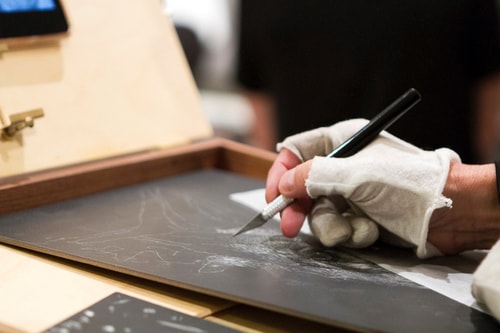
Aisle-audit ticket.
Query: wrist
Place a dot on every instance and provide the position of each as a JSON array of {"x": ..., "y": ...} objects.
[{"x": 474, "y": 220}]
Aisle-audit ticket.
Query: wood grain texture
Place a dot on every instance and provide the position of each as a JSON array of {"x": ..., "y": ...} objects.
[
  {"x": 39, "y": 188},
  {"x": 62, "y": 288},
  {"x": 118, "y": 84}
]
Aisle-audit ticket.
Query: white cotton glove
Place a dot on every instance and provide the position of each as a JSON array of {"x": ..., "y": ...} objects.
[
  {"x": 486, "y": 281},
  {"x": 390, "y": 182}
]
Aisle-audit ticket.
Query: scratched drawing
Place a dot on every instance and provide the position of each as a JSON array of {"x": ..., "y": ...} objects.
[
  {"x": 178, "y": 231},
  {"x": 123, "y": 313},
  {"x": 171, "y": 225}
]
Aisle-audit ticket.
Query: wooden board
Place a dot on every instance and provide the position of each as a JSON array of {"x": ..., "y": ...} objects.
[
  {"x": 58, "y": 298},
  {"x": 38, "y": 291},
  {"x": 47, "y": 186},
  {"x": 118, "y": 84}
]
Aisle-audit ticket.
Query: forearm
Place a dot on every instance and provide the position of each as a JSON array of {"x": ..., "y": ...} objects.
[{"x": 474, "y": 220}]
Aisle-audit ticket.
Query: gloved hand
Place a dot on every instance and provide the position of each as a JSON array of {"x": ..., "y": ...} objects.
[
  {"x": 390, "y": 183},
  {"x": 485, "y": 286}
]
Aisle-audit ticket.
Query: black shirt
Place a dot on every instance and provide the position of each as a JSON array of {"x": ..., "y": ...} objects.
[{"x": 327, "y": 61}]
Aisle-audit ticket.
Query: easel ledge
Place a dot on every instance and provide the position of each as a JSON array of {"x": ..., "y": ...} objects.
[{"x": 49, "y": 186}]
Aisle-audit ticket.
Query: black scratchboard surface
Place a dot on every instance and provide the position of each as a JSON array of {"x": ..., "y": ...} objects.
[
  {"x": 122, "y": 313},
  {"x": 178, "y": 231}
]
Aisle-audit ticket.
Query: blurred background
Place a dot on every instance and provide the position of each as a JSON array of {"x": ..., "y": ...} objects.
[
  {"x": 269, "y": 69},
  {"x": 208, "y": 31}
]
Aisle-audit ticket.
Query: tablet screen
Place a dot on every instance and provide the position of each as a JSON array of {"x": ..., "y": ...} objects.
[
  {"x": 22, "y": 18},
  {"x": 15, "y": 6}
]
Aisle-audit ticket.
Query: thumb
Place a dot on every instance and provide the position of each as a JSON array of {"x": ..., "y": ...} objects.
[{"x": 293, "y": 182}]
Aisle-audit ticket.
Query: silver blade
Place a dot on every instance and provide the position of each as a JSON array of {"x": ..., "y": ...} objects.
[{"x": 255, "y": 223}]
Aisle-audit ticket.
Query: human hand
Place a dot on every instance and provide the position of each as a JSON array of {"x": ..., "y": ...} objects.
[
  {"x": 390, "y": 182},
  {"x": 485, "y": 287}
]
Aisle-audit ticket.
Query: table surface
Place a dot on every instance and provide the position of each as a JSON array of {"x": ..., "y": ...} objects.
[{"x": 39, "y": 291}]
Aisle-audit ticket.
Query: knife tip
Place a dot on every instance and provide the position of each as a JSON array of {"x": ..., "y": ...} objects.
[{"x": 254, "y": 223}]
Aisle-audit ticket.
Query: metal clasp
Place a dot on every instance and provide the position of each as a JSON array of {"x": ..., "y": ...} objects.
[{"x": 16, "y": 122}]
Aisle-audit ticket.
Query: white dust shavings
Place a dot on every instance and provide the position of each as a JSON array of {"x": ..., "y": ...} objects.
[
  {"x": 89, "y": 313},
  {"x": 108, "y": 329},
  {"x": 149, "y": 311},
  {"x": 218, "y": 264},
  {"x": 180, "y": 327}
]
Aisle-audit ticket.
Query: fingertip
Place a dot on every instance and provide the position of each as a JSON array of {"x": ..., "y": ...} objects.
[
  {"x": 287, "y": 183},
  {"x": 291, "y": 222},
  {"x": 293, "y": 181}
]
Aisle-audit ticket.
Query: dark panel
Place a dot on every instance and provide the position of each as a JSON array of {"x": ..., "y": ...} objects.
[
  {"x": 178, "y": 231},
  {"x": 122, "y": 313}
]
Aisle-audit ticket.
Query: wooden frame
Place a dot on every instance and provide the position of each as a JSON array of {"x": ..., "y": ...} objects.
[{"x": 49, "y": 186}]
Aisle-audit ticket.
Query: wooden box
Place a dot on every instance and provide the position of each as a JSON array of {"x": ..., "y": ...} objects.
[
  {"x": 28, "y": 308},
  {"x": 122, "y": 109}
]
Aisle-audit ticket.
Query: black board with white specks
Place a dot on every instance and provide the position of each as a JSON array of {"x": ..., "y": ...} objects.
[{"x": 178, "y": 231}]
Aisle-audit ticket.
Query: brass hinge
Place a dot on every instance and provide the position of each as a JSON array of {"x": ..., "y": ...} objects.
[{"x": 16, "y": 122}]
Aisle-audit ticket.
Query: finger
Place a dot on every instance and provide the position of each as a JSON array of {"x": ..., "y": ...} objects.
[
  {"x": 293, "y": 217},
  {"x": 365, "y": 231},
  {"x": 328, "y": 224},
  {"x": 285, "y": 161},
  {"x": 293, "y": 182}
]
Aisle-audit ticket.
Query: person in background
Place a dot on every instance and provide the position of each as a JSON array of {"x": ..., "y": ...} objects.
[{"x": 306, "y": 64}]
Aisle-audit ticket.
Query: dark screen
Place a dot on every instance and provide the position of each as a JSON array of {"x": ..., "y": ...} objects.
[{"x": 21, "y": 18}]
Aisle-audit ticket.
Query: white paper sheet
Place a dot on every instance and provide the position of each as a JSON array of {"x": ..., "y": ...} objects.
[{"x": 449, "y": 276}]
